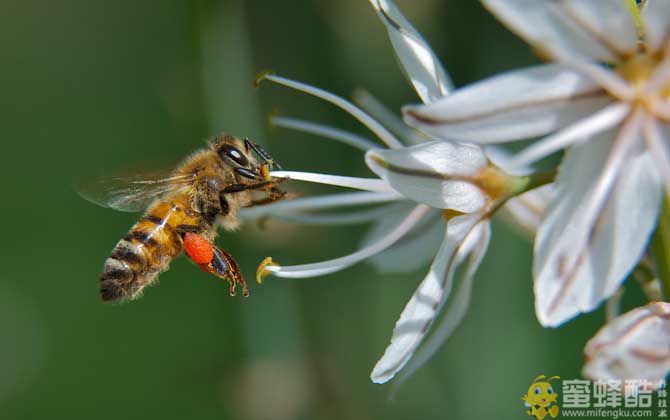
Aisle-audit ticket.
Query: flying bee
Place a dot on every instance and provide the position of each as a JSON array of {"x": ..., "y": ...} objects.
[{"x": 182, "y": 213}]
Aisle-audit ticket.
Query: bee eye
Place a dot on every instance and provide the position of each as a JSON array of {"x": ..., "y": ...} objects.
[
  {"x": 537, "y": 390},
  {"x": 233, "y": 153},
  {"x": 550, "y": 391}
]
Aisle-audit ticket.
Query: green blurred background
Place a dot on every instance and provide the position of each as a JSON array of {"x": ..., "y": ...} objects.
[{"x": 93, "y": 86}]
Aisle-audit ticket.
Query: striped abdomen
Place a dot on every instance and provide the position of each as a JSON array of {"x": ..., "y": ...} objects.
[{"x": 145, "y": 251}]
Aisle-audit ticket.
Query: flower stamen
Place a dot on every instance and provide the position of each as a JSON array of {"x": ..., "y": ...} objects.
[{"x": 262, "y": 270}]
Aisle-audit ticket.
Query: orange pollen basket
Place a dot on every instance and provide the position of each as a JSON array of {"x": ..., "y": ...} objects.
[{"x": 198, "y": 248}]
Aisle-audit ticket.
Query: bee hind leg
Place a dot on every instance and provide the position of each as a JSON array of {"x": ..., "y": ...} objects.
[
  {"x": 213, "y": 260},
  {"x": 225, "y": 267}
]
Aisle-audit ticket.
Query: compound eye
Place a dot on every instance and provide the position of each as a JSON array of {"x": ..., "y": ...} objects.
[
  {"x": 538, "y": 391},
  {"x": 550, "y": 391},
  {"x": 233, "y": 153}
]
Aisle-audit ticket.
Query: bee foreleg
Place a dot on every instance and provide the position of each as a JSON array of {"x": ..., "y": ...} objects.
[
  {"x": 233, "y": 188},
  {"x": 274, "y": 194}
]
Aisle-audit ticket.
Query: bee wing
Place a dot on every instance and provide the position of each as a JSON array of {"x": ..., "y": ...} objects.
[{"x": 134, "y": 193}]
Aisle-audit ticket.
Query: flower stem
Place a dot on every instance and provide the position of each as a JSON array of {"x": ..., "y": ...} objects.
[
  {"x": 538, "y": 179},
  {"x": 645, "y": 275},
  {"x": 660, "y": 248}
]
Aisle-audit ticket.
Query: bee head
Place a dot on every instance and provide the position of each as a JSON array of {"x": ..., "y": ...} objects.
[{"x": 244, "y": 156}]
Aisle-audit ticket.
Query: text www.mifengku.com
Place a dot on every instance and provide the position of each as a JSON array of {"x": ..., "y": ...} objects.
[{"x": 606, "y": 413}]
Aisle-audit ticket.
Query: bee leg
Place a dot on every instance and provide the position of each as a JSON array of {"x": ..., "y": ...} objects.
[
  {"x": 233, "y": 188},
  {"x": 213, "y": 260},
  {"x": 225, "y": 267},
  {"x": 274, "y": 194}
]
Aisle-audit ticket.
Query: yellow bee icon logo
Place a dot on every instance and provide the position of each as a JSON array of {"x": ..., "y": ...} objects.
[{"x": 540, "y": 398}]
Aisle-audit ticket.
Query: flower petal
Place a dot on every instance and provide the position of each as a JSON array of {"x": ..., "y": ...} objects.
[
  {"x": 365, "y": 184},
  {"x": 656, "y": 17},
  {"x": 387, "y": 118},
  {"x": 318, "y": 203},
  {"x": 382, "y": 133},
  {"x": 337, "y": 264},
  {"x": 581, "y": 259},
  {"x": 322, "y": 130},
  {"x": 420, "y": 64},
  {"x": 581, "y": 130},
  {"x": 434, "y": 173},
  {"x": 422, "y": 308},
  {"x": 634, "y": 345},
  {"x": 526, "y": 211},
  {"x": 334, "y": 219},
  {"x": 421, "y": 242},
  {"x": 511, "y": 106},
  {"x": 456, "y": 308},
  {"x": 657, "y": 137},
  {"x": 596, "y": 29}
]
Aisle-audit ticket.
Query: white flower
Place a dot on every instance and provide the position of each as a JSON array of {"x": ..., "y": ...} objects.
[
  {"x": 433, "y": 180},
  {"x": 633, "y": 345},
  {"x": 614, "y": 122},
  {"x": 456, "y": 182}
]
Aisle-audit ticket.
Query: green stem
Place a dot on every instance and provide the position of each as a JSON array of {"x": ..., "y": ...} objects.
[
  {"x": 645, "y": 275},
  {"x": 660, "y": 248},
  {"x": 538, "y": 179}
]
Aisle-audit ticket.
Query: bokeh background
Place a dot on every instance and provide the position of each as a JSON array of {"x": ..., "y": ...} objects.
[{"x": 94, "y": 86}]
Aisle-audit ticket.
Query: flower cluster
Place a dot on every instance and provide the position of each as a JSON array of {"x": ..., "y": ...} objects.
[{"x": 603, "y": 96}]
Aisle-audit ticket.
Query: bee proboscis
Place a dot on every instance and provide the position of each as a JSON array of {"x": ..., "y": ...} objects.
[{"x": 182, "y": 213}]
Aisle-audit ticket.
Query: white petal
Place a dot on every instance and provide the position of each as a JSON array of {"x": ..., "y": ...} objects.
[
  {"x": 456, "y": 308},
  {"x": 634, "y": 345},
  {"x": 526, "y": 211},
  {"x": 569, "y": 28},
  {"x": 387, "y": 118},
  {"x": 422, "y": 308},
  {"x": 593, "y": 235},
  {"x": 656, "y": 17},
  {"x": 600, "y": 121},
  {"x": 365, "y": 184},
  {"x": 609, "y": 80},
  {"x": 338, "y": 264},
  {"x": 511, "y": 106},
  {"x": 433, "y": 173},
  {"x": 333, "y": 133},
  {"x": 421, "y": 242},
  {"x": 334, "y": 219},
  {"x": 503, "y": 159},
  {"x": 319, "y": 202},
  {"x": 658, "y": 144},
  {"x": 661, "y": 75},
  {"x": 418, "y": 61},
  {"x": 382, "y": 133},
  {"x": 609, "y": 22}
]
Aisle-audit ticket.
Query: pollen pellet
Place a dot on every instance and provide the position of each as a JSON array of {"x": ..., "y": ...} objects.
[{"x": 198, "y": 248}]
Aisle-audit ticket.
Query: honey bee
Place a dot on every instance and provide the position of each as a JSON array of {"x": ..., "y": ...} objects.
[{"x": 182, "y": 213}]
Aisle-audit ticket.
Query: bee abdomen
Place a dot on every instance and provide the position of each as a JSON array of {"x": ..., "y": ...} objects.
[
  {"x": 123, "y": 270},
  {"x": 139, "y": 257}
]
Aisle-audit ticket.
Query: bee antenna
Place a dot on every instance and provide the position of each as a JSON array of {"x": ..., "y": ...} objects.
[
  {"x": 248, "y": 144},
  {"x": 539, "y": 377},
  {"x": 552, "y": 378}
]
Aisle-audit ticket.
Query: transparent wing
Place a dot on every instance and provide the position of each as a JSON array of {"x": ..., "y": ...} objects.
[{"x": 131, "y": 193}]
